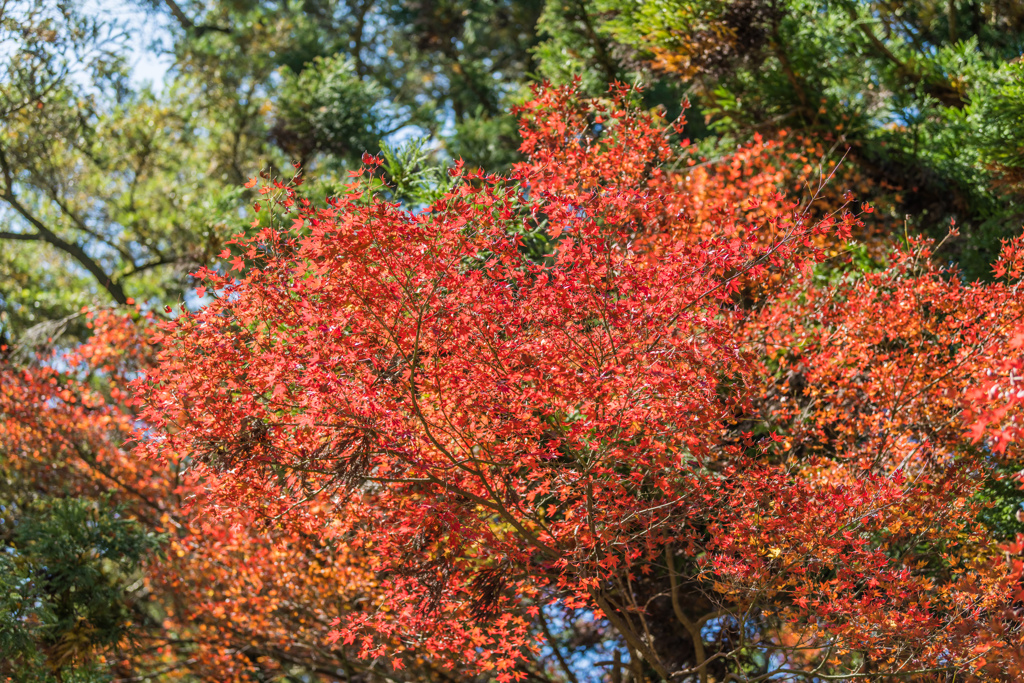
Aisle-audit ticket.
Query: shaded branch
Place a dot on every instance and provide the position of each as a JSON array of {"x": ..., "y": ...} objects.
[
  {"x": 688, "y": 624},
  {"x": 73, "y": 250},
  {"x": 189, "y": 25},
  {"x": 601, "y": 50},
  {"x": 632, "y": 639},
  {"x": 162, "y": 261},
  {"x": 555, "y": 647},
  {"x": 940, "y": 90}
]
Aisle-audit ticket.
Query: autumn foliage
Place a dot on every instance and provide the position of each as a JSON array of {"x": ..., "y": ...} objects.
[
  {"x": 622, "y": 387},
  {"x": 585, "y": 387},
  {"x": 226, "y": 598}
]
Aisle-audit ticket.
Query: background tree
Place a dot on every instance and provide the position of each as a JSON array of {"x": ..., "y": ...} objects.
[
  {"x": 116, "y": 191},
  {"x": 922, "y": 93}
]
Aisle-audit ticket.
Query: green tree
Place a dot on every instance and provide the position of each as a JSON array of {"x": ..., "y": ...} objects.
[
  {"x": 109, "y": 191},
  {"x": 69, "y": 574}
]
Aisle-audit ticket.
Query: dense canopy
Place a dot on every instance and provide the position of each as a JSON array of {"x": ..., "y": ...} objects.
[{"x": 562, "y": 341}]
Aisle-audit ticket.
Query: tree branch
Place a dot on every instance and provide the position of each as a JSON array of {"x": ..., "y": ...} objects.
[
  {"x": 632, "y": 639},
  {"x": 163, "y": 261},
  {"x": 189, "y": 25},
  {"x": 555, "y": 647},
  {"x": 601, "y": 50},
  {"x": 22, "y": 236},
  {"x": 688, "y": 624},
  {"x": 940, "y": 90},
  {"x": 44, "y": 234},
  {"x": 80, "y": 224},
  {"x": 73, "y": 250}
]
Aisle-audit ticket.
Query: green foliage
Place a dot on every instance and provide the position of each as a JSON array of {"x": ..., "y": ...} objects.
[
  {"x": 411, "y": 174},
  {"x": 577, "y": 45},
  {"x": 110, "y": 191},
  {"x": 69, "y": 572},
  {"x": 996, "y": 115},
  {"x": 1005, "y": 513},
  {"x": 327, "y": 108},
  {"x": 489, "y": 143}
]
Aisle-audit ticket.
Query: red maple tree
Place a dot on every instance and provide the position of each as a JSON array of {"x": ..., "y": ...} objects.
[{"x": 586, "y": 388}]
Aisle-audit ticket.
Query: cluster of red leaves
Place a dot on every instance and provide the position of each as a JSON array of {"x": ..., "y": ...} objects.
[
  {"x": 996, "y": 401},
  {"x": 410, "y": 435},
  {"x": 726, "y": 195},
  {"x": 229, "y": 598},
  {"x": 871, "y": 384},
  {"x": 494, "y": 430},
  {"x": 254, "y": 600},
  {"x": 64, "y": 433},
  {"x": 498, "y": 434}
]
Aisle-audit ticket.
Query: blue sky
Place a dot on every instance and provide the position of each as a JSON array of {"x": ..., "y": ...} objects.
[{"x": 146, "y": 30}]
